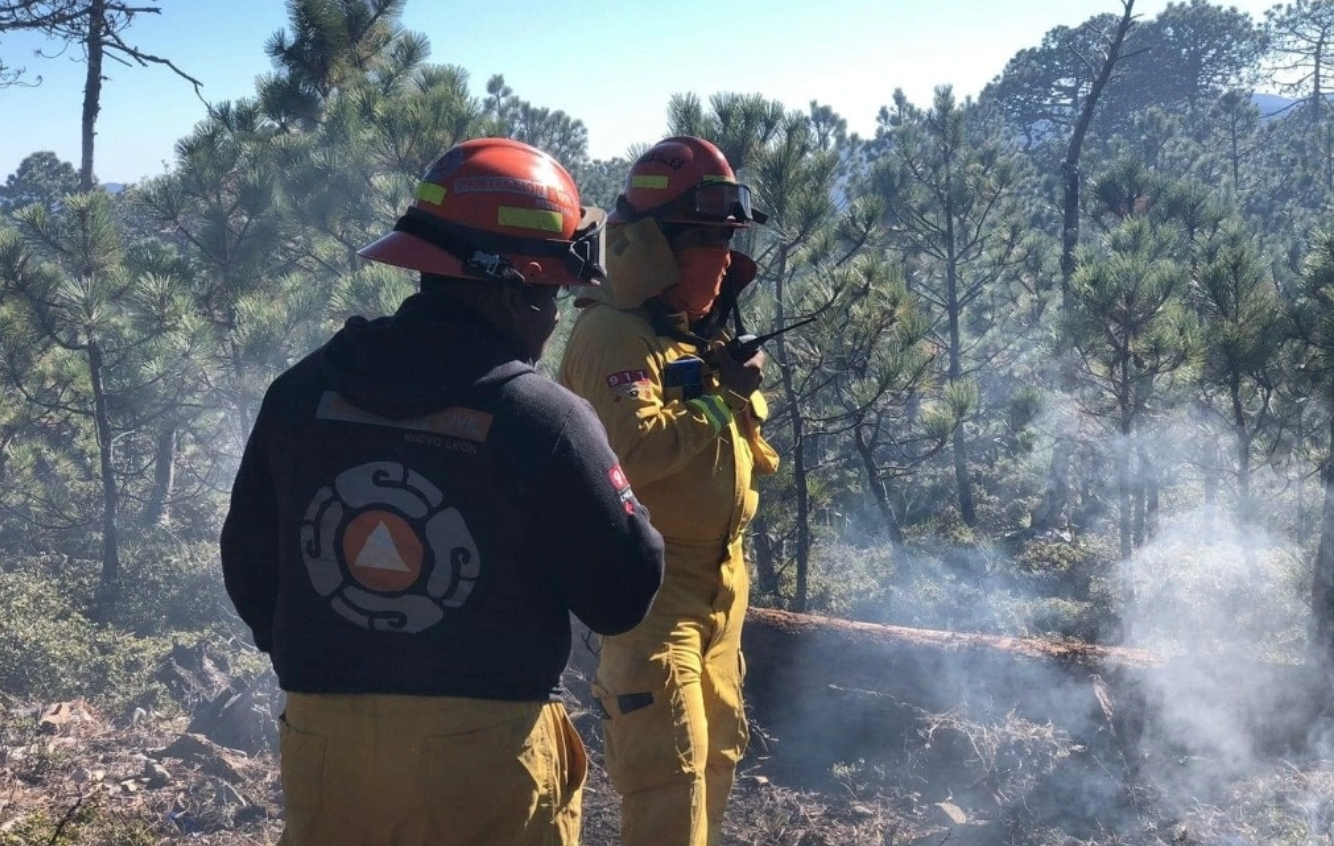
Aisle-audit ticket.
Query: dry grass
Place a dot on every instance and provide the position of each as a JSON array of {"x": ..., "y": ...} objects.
[
  {"x": 86, "y": 780},
  {"x": 1289, "y": 805},
  {"x": 91, "y": 781}
]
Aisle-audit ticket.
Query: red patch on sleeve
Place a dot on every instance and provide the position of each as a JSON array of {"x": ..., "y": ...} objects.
[
  {"x": 618, "y": 479},
  {"x": 622, "y": 485}
]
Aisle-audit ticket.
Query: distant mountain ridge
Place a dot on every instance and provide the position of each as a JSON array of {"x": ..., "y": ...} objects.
[{"x": 1275, "y": 105}]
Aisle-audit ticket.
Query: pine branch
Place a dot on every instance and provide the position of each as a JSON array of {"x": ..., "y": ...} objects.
[
  {"x": 116, "y": 43},
  {"x": 25, "y": 14}
]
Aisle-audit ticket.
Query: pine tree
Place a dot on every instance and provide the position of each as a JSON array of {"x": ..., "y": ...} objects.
[
  {"x": 1301, "y": 52},
  {"x": 563, "y": 136},
  {"x": 879, "y": 370},
  {"x": 952, "y": 202},
  {"x": 221, "y": 206},
  {"x": 1314, "y": 324},
  {"x": 41, "y": 178},
  {"x": 1130, "y": 329},
  {"x": 1244, "y": 334},
  {"x": 329, "y": 46},
  {"x": 97, "y": 351}
]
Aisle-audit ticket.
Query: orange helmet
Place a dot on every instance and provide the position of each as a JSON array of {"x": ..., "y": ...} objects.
[
  {"x": 494, "y": 208},
  {"x": 684, "y": 179}
]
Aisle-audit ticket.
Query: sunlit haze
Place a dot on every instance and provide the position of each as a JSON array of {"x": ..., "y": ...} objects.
[{"x": 612, "y": 65}]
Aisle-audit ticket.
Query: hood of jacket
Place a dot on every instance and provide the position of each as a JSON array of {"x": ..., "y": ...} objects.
[
  {"x": 428, "y": 355},
  {"x": 641, "y": 265}
]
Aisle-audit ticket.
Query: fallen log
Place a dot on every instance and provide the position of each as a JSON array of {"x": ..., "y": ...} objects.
[{"x": 822, "y": 690}]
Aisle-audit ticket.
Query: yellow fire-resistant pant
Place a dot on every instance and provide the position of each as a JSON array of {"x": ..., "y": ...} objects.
[
  {"x": 675, "y": 725},
  {"x": 429, "y": 771}
]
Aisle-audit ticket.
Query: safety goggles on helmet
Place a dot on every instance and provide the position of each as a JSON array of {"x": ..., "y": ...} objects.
[
  {"x": 708, "y": 202},
  {"x": 721, "y": 201},
  {"x": 483, "y": 253}
]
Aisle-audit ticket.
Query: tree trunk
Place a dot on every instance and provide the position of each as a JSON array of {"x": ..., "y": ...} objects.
[
  {"x": 766, "y": 557},
  {"x": 1245, "y": 509},
  {"x": 1124, "y": 503},
  {"x": 1058, "y": 484},
  {"x": 1317, "y": 83},
  {"x": 1074, "y": 150},
  {"x": 798, "y": 426},
  {"x": 803, "y": 515},
  {"x": 1329, "y": 151},
  {"x": 1053, "y": 512},
  {"x": 1299, "y": 443},
  {"x": 244, "y": 418},
  {"x": 92, "y": 89},
  {"x": 898, "y": 553},
  {"x": 807, "y": 680},
  {"x": 1322, "y": 588},
  {"x": 967, "y": 508},
  {"x": 1143, "y": 476},
  {"x": 875, "y": 480},
  {"x": 1209, "y": 479},
  {"x": 1124, "y": 491},
  {"x": 1152, "y": 501},
  {"x": 1070, "y": 217},
  {"x": 1235, "y": 156},
  {"x": 959, "y": 439},
  {"x": 108, "y": 587},
  {"x": 158, "y": 511}
]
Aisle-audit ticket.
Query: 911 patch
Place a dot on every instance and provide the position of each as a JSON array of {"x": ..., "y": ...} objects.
[{"x": 629, "y": 383}]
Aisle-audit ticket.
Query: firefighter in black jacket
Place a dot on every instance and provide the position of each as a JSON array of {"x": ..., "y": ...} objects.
[{"x": 416, "y": 514}]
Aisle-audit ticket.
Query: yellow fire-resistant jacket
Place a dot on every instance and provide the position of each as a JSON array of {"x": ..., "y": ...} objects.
[{"x": 691, "y": 462}]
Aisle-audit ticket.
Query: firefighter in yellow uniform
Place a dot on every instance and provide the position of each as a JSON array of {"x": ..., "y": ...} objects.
[{"x": 684, "y": 418}]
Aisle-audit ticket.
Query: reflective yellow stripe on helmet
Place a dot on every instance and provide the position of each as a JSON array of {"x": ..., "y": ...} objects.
[
  {"x": 430, "y": 192},
  {"x": 648, "y": 182},
  {"x": 546, "y": 221}
]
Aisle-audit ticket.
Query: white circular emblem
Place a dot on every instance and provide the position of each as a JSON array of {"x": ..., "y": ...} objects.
[{"x": 380, "y": 546}]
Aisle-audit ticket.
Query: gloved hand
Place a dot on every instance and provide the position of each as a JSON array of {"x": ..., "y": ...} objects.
[{"x": 742, "y": 378}]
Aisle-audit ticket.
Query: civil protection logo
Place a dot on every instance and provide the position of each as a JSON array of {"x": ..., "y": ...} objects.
[{"x": 381, "y": 547}]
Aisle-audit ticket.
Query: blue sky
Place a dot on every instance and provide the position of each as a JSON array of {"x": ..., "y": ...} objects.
[{"x": 614, "y": 65}]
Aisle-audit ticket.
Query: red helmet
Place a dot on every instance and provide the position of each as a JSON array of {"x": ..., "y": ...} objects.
[
  {"x": 495, "y": 208},
  {"x": 684, "y": 179}
]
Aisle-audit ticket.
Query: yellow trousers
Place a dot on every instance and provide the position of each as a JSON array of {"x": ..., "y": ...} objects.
[
  {"x": 675, "y": 724},
  {"x": 429, "y": 771}
]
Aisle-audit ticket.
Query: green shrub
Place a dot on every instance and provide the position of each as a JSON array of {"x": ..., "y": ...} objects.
[
  {"x": 1198, "y": 592},
  {"x": 49, "y": 651},
  {"x": 168, "y": 586},
  {"x": 851, "y": 582}
]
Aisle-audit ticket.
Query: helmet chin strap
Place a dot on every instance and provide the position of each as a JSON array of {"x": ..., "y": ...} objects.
[
  {"x": 627, "y": 212},
  {"x": 478, "y": 262},
  {"x": 726, "y": 306}
]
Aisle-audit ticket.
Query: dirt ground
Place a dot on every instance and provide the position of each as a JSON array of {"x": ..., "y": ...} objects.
[
  {"x": 69, "y": 775},
  {"x": 860, "y": 736}
]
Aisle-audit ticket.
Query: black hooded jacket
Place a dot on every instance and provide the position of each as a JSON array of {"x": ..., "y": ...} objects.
[{"x": 418, "y": 512}]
